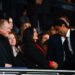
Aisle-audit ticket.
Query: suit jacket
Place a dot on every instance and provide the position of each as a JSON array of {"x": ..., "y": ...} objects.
[{"x": 55, "y": 50}]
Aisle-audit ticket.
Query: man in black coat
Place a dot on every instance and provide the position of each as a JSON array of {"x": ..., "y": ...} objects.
[{"x": 61, "y": 51}]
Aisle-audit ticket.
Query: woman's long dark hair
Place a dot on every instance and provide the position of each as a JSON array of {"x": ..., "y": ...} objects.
[{"x": 28, "y": 35}]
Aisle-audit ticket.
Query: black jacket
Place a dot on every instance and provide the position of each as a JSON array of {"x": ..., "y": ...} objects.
[
  {"x": 55, "y": 50},
  {"x": 6, "y": 55}
]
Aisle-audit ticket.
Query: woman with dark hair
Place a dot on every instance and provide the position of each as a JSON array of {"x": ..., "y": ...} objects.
[{"x": 33, "y": 53}]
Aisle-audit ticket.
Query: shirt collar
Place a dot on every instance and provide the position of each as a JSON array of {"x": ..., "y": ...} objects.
[{"x": 68, "y": 33}]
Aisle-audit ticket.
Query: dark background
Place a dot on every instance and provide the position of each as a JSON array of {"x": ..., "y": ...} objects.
[{"x": 46, "y": 13}]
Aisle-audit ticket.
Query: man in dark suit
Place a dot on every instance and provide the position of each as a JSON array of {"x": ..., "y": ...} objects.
[{"x": 60, "y": 50}]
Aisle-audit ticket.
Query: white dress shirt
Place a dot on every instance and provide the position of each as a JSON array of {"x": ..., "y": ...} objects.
[{"x": 68, "y": 38}]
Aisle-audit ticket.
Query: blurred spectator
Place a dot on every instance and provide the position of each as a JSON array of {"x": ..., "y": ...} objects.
[
  {"x": 24, "y": 17},
  {"x": 23, "y": 27},
  {"x": 40, "y": 11},
  {"x": 52, "y": 30},
  {"x": 43, "y": 38},
  {"x": 69, "y": 1},
  {"x": 13, "y": 27},
  {"x": 38, "y": 2}
]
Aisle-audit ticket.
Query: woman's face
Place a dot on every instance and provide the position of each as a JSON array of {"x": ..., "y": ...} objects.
[
  {"x": 44, "y": 38},
  {"x": 12, "y": 39},
  {"x": 27, "y": 25},
  {"x": 35, "y": 34},
  {"x": 53, "y": 30},
  {"x": 11, "y": 23}
]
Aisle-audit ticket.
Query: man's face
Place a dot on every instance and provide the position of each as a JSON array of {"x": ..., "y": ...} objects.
[
  {"x": 61, "y": 30},
  {"x": 5, "y": 28},
  {"x": 39, "y": 2}
]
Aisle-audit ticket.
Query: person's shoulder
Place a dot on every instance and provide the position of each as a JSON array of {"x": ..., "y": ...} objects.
[
  {"x": 2, "y": 37},
  {"x": 55, "y": 36}
]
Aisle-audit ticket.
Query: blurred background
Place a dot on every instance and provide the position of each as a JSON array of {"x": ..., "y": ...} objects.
[{"x": 42, "y": 12}]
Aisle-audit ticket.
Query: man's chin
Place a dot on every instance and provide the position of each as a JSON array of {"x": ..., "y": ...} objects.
[{"x": 7, "y": 35}]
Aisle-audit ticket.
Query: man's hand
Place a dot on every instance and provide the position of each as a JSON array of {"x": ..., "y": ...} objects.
[
  {"x": 55, "y": 65},
  {"x": 8, "y": 65}
]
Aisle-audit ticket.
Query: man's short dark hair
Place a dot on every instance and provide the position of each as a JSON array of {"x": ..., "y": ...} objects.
[{"x": 60, "y": 22}]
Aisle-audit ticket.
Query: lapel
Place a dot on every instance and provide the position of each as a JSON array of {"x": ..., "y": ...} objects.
[
  {"x": 60, "y": 47},
  {"x": 60, "y": 42}
]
